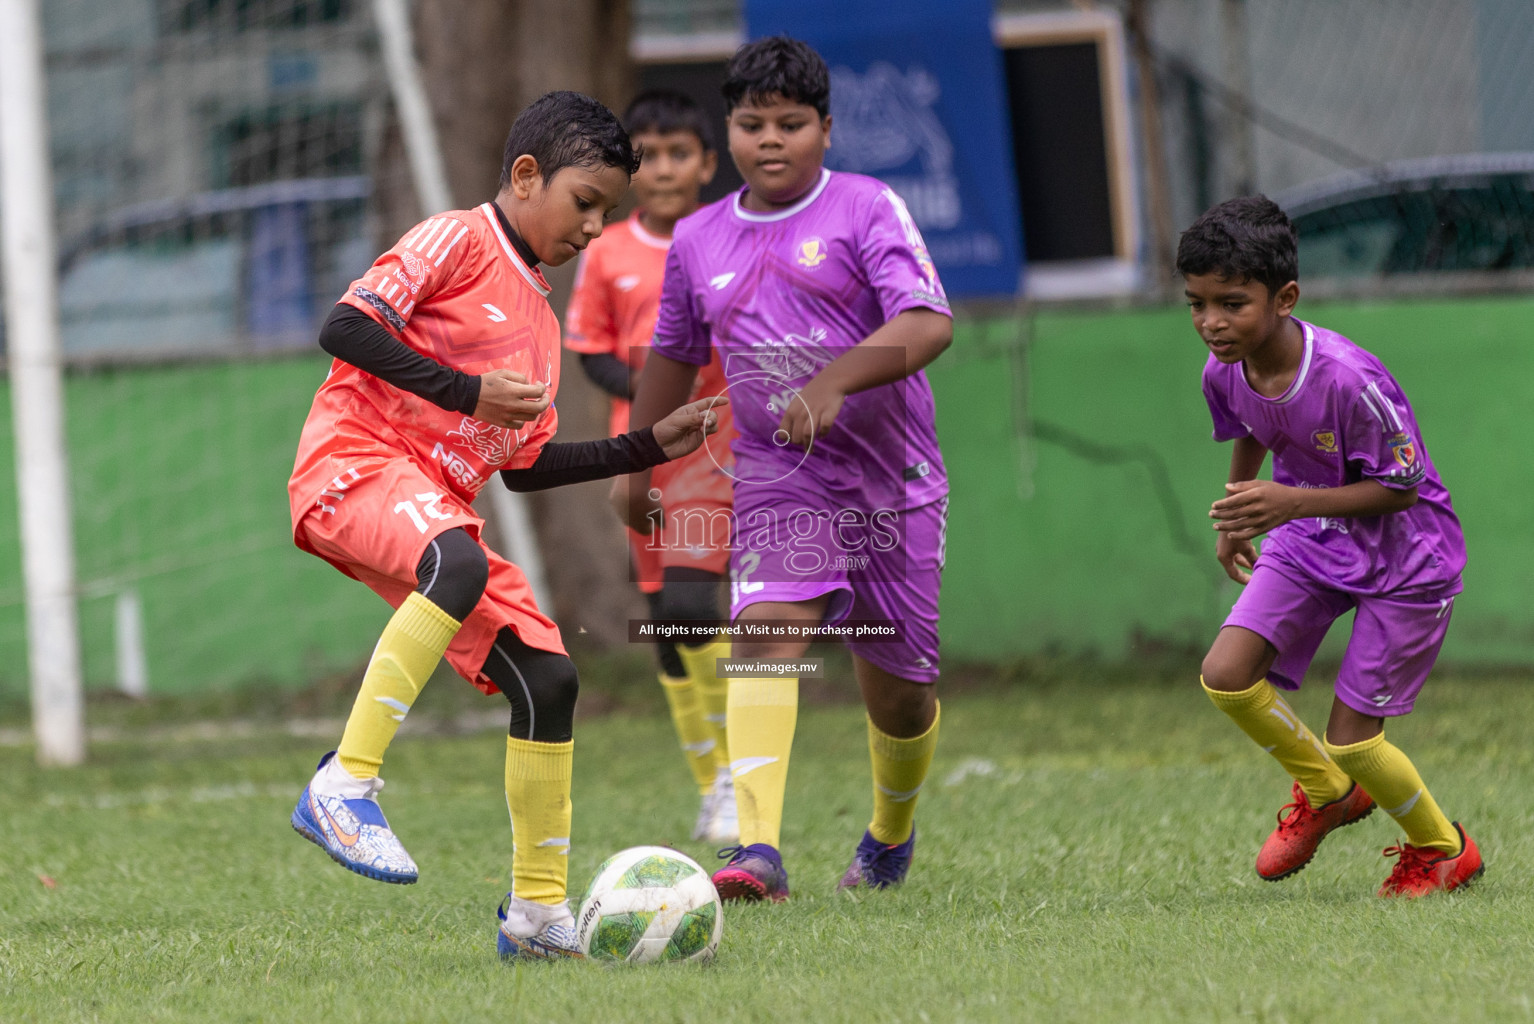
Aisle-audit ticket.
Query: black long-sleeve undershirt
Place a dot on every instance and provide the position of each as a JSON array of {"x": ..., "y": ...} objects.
[
  {"x": 352, "y": 336},
  {"x": 579, "y": 461},
  {"x": 608, "y": 372}
]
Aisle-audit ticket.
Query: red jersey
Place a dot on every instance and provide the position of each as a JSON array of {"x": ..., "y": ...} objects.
[{"x": 454, "y": 289}]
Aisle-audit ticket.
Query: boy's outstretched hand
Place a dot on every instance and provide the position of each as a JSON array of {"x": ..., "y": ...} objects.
[
  {"x": 1251, "y": 508},
  {"x": 1237, "y": 556},
  {"x": 506, "y": 399},
  {"x": 683, "y": 431},
  {"x": 678, "y": 434},
  {"x": 811, "y": 414}
]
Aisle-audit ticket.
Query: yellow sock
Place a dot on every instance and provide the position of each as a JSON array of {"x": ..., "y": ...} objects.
[
  {"x": 713, "y": 692},
  {"x": 407, "y": 653},
  {"x": 900, "y": 768},
  {"x": 761, "y": 723},
  {"x": 538, "y": 797},
  {"x": 1269, "y": 720},
  {"x": 1390, "y": 778},
  {"x": 694, "y": 732}
]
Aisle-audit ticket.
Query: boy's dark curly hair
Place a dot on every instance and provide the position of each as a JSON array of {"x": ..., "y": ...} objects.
[
  {"x": 1245, "y": 239},
  {"x": 664, "y": 111},
  {"x": 567, "y": 129},
  {"x": 777, "y": 66}
]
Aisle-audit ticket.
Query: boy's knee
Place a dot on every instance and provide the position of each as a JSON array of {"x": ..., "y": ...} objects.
[
  {"x": 563, "y": 686},
  {"x": 540, "y": 685},
  {"x": 554, "y": 684},
  {"x": 1220, "y": 673},
  {"x": 1217, "y": 673},
  {"x": 465, "y": 560},
  {"x": 903, "y": 711},
  {"x": 453, "y": 573},
  {"x": 689, "y": 602},
  {"x": 1237, "y": 660}
]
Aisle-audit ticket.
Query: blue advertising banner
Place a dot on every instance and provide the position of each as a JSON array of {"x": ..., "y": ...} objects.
[{"x": 918, "y": 101}]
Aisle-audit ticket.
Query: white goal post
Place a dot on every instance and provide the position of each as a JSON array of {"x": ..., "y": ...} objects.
[{"x": 28, "y": 252}]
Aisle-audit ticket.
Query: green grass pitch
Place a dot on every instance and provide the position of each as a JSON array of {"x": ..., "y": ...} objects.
[{"x": 1085, "y": 855}]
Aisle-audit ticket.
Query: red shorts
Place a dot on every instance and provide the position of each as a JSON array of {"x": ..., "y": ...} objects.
[
  {"x": 377, "y": 531},
  {"x": 696, "y": 492},
  {"x": 696, "y": 534}
]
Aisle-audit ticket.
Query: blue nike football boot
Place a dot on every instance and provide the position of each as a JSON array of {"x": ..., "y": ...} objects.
[{"x": 340, "y": 814}]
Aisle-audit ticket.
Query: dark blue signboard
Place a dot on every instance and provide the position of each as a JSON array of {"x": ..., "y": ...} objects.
[{"x": 918, "y": 101}]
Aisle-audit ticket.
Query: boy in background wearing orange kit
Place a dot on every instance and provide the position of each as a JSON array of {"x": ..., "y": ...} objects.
[
  {"x": 610, "y": 319},
  {"x": 447, "y": 363}
]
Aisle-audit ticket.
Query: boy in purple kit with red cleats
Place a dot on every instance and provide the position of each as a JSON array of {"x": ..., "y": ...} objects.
[
  {"x": 817, "y": 293},
  {"x": 1356, "y": 518}
]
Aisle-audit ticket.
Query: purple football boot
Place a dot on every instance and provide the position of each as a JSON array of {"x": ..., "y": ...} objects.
[
  {"x": 753, "y": 873},
  {"x": 879, "y": 865}
]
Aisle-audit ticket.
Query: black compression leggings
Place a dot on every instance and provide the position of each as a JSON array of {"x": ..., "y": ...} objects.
[
  {"x": 452, "y": 573},
  {"x": 540, "y": 685},
  {"x": 690, "y": 594}
]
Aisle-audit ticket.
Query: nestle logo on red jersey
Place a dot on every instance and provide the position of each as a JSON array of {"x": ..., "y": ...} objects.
[{"x": 413, "y": 266}]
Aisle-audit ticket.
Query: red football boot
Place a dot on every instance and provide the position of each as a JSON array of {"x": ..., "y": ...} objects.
[
  {"x": 1302, "y": 827},
  {"x": 1422, "y": 869}
]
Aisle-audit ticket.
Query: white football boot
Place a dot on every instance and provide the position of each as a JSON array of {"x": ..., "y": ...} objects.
[
  {"x": 339, "y": 813},
  {"x": 536, "y": 931},
  {"x": 705, "y": 817},
  {"x": 724, "y": 822}
]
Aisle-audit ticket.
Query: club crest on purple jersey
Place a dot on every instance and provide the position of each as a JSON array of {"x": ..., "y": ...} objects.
[
  {"x": 1325, "y": 441},
  {"x": 1402, "y": 448},
  {"x": 812, "y": 252}
]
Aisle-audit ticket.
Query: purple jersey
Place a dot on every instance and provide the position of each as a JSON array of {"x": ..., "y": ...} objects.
[
  {"x": 782, "y": 294},
  {"x": 1344, "y": 419}
]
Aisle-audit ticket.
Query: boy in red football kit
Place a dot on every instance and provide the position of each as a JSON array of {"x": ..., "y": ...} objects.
[
  {"x": 609, "y": 322},
  {"x": 447, "y": 366}
]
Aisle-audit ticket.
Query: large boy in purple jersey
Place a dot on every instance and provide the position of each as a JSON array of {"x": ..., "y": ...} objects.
[
  {"x": 1356, "y": 518},
  {"x": 819, "y": 295}
]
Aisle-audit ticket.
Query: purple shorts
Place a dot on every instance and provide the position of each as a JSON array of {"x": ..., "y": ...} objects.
[
  {"x": 1394, "y": 643},
  {"x": 794, "y": 544}
]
